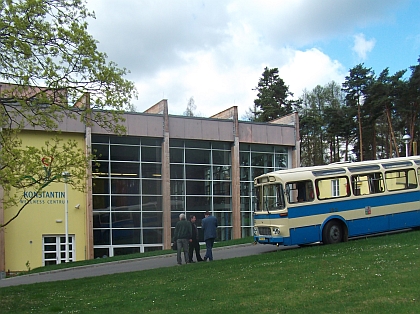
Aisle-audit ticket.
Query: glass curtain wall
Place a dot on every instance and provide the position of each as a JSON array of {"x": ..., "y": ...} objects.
[
  {"x": 127, "y": 195},
  {"x": 200, "y": 182},
  {"x": 256, "y": 160}
]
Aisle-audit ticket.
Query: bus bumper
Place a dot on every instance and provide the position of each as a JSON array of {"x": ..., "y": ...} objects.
[{"x": 269, "y": 240}]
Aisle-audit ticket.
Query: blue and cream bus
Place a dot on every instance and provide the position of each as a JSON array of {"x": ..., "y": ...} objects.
[{"x": 332, "y": 203}]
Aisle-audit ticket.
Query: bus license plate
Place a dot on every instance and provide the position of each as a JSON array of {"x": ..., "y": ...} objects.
[{"x": 262, "y": 239}]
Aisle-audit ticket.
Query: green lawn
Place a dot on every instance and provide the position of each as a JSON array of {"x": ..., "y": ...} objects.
[{"x": 373, "y": 275}]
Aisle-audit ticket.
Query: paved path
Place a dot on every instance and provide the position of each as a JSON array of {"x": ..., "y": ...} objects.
[{"x": 133, "y": 265}]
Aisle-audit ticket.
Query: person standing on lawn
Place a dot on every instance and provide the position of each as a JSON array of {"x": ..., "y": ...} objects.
[
  {"x": 194, "y": 244},
  {"x": 209, "y": 224},
  {"x": 182, "y": 236}
]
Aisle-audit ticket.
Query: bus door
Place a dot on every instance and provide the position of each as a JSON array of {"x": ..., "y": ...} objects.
[{"x": 271, "y": 201}]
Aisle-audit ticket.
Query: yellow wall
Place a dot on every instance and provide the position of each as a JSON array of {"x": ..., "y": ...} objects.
[{"x": 23, "y": 236}]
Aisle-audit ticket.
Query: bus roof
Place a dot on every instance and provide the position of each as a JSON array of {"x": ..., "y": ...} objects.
[{"x": 340, "y": 168}]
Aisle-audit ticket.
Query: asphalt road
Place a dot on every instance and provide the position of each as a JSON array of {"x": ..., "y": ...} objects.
[{"x": 134, "y": 265}]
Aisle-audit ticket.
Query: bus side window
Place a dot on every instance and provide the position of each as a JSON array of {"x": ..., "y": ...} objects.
[
  {"x": 300, "y": 191},
  {"x": 400, "y": 179},
  {"x": 364, "y": 184},
  {"x": 332, "y": 187}
]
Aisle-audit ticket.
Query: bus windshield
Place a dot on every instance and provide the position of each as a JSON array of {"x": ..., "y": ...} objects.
[{"x": 271, "y": 196}]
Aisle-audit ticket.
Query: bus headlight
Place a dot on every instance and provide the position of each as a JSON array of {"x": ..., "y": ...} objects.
[
  {"x": 255, "y": 231},
  {"x": 276, "y": 231}
]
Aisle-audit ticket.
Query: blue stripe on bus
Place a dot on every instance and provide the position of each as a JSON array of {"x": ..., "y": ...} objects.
[
  {"x": 345, "y": 205},
  {"x": 356, "y": 227}
]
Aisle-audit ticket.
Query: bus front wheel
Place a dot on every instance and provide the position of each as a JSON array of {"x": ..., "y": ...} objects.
[{"x": 332, "y": 232}]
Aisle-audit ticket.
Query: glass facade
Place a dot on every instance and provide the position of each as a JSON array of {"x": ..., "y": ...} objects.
[
  {"x": 256, "y": 160},
  {"x": 201, "y": 181},
  {"x": 127, "y": 196},
  {"x": 127, "y": 188}
]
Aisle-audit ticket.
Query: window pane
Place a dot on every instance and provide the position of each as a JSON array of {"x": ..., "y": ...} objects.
[
  {"x": 281, "y": 162},
  {"x": 177, "y": 155},
  {"x": 255, "y": 172},
  {"x": 152, "y": 187},
  {"x": 197, "y": 172},
  {"x": 177, "y": 187},
  {"x": 151, "y": 220},
  {"x": 177, "y": 171},
  {"x": 151, "y": 141},
  {"x": 176, "y": 143},
  {"x": 126, "y": 250},
  {"x": 129, "y": 140},
  {"x": 100, "y": 139},
  {"x": 50, "y": 240},
  {"x": 246, "y": 219},
  {"x": 100, "y": 186},
  {"x": 49, "y": 248},
  {"x": 100, "y": 202},
  {"x": 126, "y": 236},
  {"x": 152, "y": 203},
  {"x": 221, "y": 172},
  {"x": 221, "y": 157},
  {"x": 101, "y": 220},
  {"x": 100, "y": 252},
  {"x": 246, "y": 204},
  {"x": 152, "y": 236},
  {"x": 151, "y": 170},
  {"x": 262, "y": 159},
  {"x": 125, "y": 203},
  {"x": 222, "y": 204},
  {"x": 221, "y": 145},
  {"x": 100, "y": 168},
  {"x": 101, "y": 237},
  {"x": 198, "y": 204},
  {"x": 198, "y": 187},
  {"x": 198, "y": 144},
  {"x": 125, "y": 219},
  {"x": 101, "y": 152},
  {"x": 177, "y": 204},
  {"x": 152, "y": 154},
  {"x": 196, "y": 156},
  {"x": 125, "y": 153},
  {"x": 224, "y": 234},
  {"x": 400, "y": 180},
  {"x": 221, "y": 188},
  {"x": 125, "y": 169},
  {"x": 332, "y": 187},
  {"x": 245, "y": 188},
  {"x": 127, "y": 186}
]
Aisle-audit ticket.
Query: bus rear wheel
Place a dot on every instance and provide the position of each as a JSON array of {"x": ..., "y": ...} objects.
[{"x": 332, "y": 232}]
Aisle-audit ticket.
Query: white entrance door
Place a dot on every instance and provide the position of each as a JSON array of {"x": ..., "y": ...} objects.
[{"x": 54, "y": 249}]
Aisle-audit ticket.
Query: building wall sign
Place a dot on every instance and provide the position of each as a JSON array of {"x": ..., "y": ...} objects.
[{"x": 44, "y": 198}]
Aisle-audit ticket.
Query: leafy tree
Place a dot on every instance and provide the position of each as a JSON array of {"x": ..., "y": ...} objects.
[
  {"x": 46, "y": 43},
  {"x": 325, "y": 125},
  {"x": 191, "y": 107},
  {"x": 355, "y": 86},
  {"x": 272, "y": 102},
  {"x": 381, "y": 99},
  {"x": 411, "y": 112}
]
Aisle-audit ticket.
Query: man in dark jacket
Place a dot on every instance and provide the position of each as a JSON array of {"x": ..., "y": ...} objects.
[
  {"x": 182, "y": 236},
  {"x": 195, "y": 243},
  {"x": 209, "y": 224}
]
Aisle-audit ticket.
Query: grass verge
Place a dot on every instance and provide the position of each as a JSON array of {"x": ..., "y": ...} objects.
[
  {"x": 372, "y": 275},
  {"x": 128, "y": 257}
]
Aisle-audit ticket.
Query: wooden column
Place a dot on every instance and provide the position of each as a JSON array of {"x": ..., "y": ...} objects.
[
  {"x": 166, "y": 184},
  {"x": 236, "y": 181}
]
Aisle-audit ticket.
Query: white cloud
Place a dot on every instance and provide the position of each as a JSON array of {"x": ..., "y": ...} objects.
[
  {"x": 362, "y": 46},
  {"x": 307, "y": 69},
  {"x": 216, "y": 50}
]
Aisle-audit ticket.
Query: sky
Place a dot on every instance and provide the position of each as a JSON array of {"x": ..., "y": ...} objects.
[{"x": 215, "y": 51}]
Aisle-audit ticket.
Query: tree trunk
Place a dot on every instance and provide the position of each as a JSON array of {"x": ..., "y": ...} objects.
[{"x": 388, "y": 115}]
